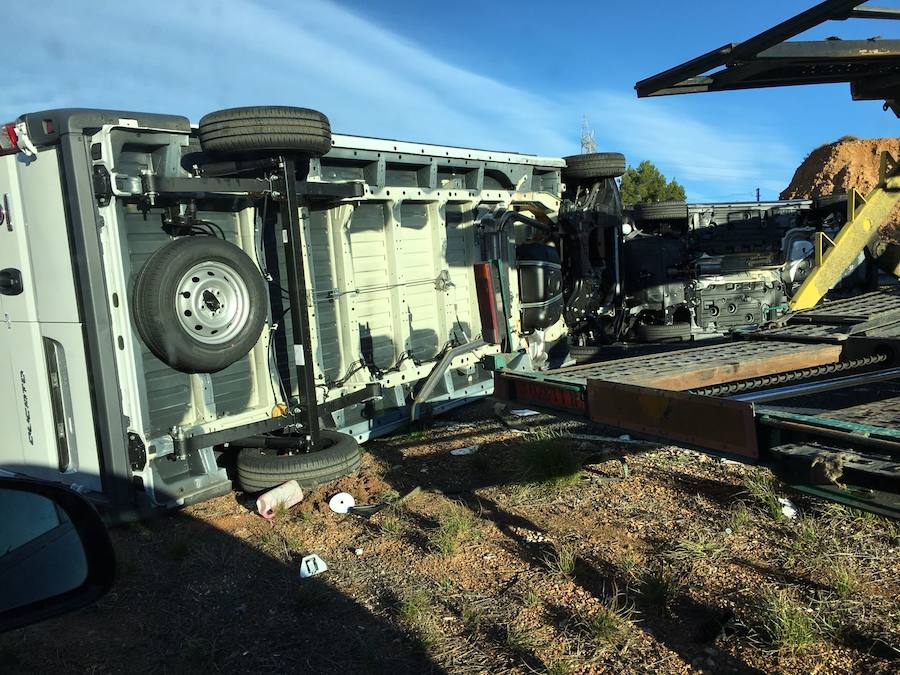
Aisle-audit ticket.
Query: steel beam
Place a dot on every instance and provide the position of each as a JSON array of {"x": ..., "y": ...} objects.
[
  {"x": 297, "y": 290},
  {"x": 808, "y": 388},
  {"x": 672, "y": 80}
]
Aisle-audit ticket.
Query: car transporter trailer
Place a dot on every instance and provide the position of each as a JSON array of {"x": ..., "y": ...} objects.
[{"x": 815, "y": 397}]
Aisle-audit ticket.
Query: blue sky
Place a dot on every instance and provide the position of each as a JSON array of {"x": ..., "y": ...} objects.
[{"x": 508, "y": 75}]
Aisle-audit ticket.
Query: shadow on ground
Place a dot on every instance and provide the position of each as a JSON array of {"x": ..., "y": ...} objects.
[
  {"x": 685, "y": 626},
  {"x": 190, "y": 597}
]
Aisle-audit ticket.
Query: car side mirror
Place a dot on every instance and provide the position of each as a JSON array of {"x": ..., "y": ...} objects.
[{"x": 55, "y": 553}]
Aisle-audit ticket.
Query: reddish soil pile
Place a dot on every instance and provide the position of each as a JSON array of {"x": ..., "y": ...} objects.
[
  {"x": 847, "y": 163},
  {"x": 836, "y": 167}
]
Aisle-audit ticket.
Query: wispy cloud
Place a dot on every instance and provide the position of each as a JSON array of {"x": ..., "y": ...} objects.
[
  {"x": 190, "y": 58},
  {"x": 717, "y": 161}
]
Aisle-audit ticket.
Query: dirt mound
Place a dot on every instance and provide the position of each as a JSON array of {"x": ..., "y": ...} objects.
[{"x": 836, "y": 167}]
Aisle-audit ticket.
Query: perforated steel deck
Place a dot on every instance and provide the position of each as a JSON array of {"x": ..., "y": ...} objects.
[
  {"x": 860, "y": 309},
  {"x": 875, "y": 314},
  {"x": 739, "y": 358},
  {"x": 806, "y": 332},
  {"x": 884, "y": 412}
]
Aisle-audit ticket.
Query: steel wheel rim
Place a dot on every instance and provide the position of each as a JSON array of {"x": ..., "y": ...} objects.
[{"x": 212, "y": 302}]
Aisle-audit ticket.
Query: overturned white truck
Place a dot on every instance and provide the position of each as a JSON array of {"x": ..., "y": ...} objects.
[{"x": 256, "y": 291}]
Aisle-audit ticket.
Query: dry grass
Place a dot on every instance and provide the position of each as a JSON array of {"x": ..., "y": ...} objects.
[
  {"x": 785, "y": 624},
  {"x": 844, "y": 579},
  {"x": 560, "y": 668},
  {"x": 455, "y": 525},
  {"x": 762, "y": 489},
  {"x": 531, "y": 599},
  {"x": 416, "y": 614},
  {"x": 861, "y": 523},
  {"x": 518, "y": 639},
  {"x": 699, "y": 547},
  {"x": 550, "y": 465},
  {"x": 562, "y": 560},
  {"x": 659, "y": 586},
  {"x": 447, "y": 588},
  {"x": 808, "y": 535},
  {"x": 739, "y": 517},
  {"x": 393, "y": 523},
  {"x": 630, "y": 565},
  {"x": 607, "y": 628}
]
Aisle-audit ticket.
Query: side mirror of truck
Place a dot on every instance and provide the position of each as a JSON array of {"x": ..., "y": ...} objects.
[{"x": 55, "y": 553}]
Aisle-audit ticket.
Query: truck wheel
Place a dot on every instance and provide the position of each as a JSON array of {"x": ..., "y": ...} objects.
[
  {"x": 660, "y": 211},
  {"x": 263, "y": 468},
  {"x": 595, "y": 165},
  {"x": 658, "y": 333},
  {"x": 199, "y": 304},
  {"x": 268, "y": 129},
  {"x": 584, "y": 354}
]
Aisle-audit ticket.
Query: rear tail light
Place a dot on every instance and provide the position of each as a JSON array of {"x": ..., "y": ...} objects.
[{"x": 9, "y": 139}]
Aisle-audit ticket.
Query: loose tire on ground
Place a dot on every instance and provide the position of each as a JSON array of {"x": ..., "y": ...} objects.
[
  {"x": 660, "y": 211},
  {"x": 263, "y": 468},
  {"x": 595, "y": 165},
  {"x": 199, "y": 304},
  {"x": 265, "y": 129}
]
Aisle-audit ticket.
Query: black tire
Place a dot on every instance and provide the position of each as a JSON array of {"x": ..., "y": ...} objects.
[
  {"x": 660, "y": 333},
  {"x": 595, "y": 165},
  {"x": 661, "y": 211},
  {"x": 584, "y": 354},
  {"x": 263, "y": 468},
  {"x": 158, "y": 303},
  {"x": 265, "y": 129}
]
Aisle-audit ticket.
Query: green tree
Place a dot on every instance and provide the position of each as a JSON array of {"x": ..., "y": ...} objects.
[{"x": 647, "y": 184}]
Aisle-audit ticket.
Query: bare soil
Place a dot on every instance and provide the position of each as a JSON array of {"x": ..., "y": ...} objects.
[
  {"x": 835, "y": 168},
  {"x": 502, "y": 563}
]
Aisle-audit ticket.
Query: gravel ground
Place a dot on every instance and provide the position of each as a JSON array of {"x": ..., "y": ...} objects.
[{"x": 537, "y": 553}]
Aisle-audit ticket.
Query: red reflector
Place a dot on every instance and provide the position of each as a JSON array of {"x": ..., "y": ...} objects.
[{"x": 9, "y": 140}]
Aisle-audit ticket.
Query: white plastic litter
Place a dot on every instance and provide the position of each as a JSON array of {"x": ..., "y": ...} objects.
[
  {"x": 788, "y": 508},
  {"x": 284, "y": 496},
  {"x": 468, "y": 450},
  {"x": 341, "y": 502},
  {"x": 524, "y": 412},
  {"x": 312, "y": 565}
]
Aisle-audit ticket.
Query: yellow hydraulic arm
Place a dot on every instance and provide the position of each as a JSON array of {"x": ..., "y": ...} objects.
[{"x": 865, "y": 215}]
